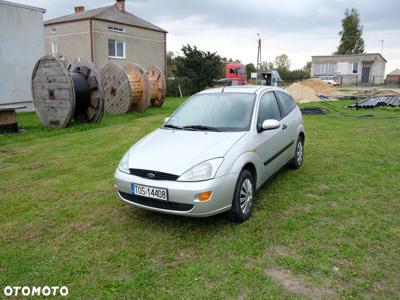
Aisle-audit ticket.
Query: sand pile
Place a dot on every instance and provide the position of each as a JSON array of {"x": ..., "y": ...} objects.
[
  {"x": 302, "y": 93},
  {"x": 307, "y": 90}
]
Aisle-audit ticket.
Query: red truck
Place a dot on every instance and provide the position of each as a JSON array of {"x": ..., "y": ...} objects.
[{"x": 237, "y": 73}]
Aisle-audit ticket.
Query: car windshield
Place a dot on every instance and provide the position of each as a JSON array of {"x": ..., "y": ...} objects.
[{"x": 214, "y": 112}]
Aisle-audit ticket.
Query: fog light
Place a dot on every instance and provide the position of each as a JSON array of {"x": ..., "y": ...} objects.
[{"x": 205, "y": 196}]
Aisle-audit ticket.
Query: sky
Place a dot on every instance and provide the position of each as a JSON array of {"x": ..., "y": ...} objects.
[{"x": 298, "y": 28}]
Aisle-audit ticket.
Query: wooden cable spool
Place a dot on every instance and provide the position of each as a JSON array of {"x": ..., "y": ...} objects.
[
  {"x": 126, "y": 89},
  {"x": 157, "y": 86},
  {"x": 61, "y": 94},
  {"x": 117, "y": 89},
  {"x": 140, "y": 87}
]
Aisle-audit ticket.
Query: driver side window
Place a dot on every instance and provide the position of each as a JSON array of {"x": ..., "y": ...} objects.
[{"x": 269, "y": 108}]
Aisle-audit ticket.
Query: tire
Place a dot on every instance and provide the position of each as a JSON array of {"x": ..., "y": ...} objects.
[
  {"x": 243, "y": 198},
  {"x": 298, "y": 158}
]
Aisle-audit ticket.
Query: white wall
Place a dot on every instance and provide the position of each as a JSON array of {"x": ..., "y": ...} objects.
[{"x": 21, "y": 44}]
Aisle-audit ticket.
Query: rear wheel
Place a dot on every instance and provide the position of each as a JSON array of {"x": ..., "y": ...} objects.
[
  {"x": 243, "y": 197},
  {"x": 299, "y": 154}
]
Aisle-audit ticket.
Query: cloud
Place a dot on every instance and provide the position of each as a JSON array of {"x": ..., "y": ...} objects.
[{"x": 230, "y": 27}]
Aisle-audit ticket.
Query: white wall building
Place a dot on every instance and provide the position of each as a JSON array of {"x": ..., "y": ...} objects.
[
  {"x": 368, "y": 68},
  {"x": 22, "y": 44}
]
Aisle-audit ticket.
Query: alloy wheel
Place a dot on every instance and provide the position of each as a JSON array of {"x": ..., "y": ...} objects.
[{"x": 246, "y": 196}]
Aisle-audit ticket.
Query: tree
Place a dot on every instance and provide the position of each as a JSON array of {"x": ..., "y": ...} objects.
[
  {"x": 351, "y": 41},
  {"x": 200, "y": 66},
  {"x": 250, "y": 68},
  {"x": 307, "y": 69},
  {"x": 171, "y": 67},
  {"x": 266, "y": 66},
  {"x": 282, "y": 63}
]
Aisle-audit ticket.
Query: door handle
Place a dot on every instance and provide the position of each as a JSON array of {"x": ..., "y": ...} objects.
[{"x": 284, "y": 126}]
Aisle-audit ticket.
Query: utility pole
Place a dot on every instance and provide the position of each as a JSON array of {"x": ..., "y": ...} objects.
[
  {"x": 382, "y": 47},
  {"x": 259, "y": 61}
]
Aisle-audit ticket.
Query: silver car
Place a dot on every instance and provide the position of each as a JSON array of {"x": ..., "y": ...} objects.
[{"x": 214, "y": 153}]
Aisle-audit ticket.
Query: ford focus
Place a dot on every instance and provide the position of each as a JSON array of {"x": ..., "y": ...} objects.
[{"x": 214, "y": 153}]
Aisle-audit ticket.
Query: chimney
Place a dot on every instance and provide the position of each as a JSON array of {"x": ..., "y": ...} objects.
[
  {"x": 79, "y": 9},
  {"x": 121, "y": 5}
]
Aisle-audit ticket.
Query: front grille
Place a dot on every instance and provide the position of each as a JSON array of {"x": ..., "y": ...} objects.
[
  {"x": 157, "y": 175},
  {"x": 156, "y": 203}
]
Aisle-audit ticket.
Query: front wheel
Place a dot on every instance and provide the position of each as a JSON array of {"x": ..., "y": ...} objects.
[
  {"x": 299, "y": 154},
  {"x": 243, "y": 197}
]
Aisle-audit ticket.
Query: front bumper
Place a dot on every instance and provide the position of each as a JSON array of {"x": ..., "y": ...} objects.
[{"x": 182, "y": 196}]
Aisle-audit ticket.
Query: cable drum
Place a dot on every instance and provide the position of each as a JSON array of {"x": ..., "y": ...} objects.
[
  {"x": 117, "y": 90},
  {"x": 157, "y": 86},
  {"x": 126, "y": 88},
  {"x": 61, "y": 94}
]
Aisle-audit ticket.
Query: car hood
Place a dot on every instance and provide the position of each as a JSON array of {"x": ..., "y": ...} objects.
[{"x": 175, "y": 151}]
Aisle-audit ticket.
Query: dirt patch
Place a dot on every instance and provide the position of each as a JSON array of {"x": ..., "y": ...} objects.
[
  {"x": 308, "y": 90},
  {"x": 301, "y": 93},
  {"x": 319, "y": 86},
  {"x": 298, "y": 286},
  {"x": 80, "y": 226},
  {"x": 279, "y": 250},
  {"x": 185, "y": 255},
  {"x": 323, "y": 187},
  {"x": 37, "y": 165}
]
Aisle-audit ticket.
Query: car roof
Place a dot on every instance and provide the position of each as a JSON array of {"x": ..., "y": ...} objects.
[{"x": 246, "y": 89}]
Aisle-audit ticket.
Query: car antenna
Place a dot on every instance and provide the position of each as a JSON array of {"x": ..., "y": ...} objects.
[{"x": 227, "y": 83}]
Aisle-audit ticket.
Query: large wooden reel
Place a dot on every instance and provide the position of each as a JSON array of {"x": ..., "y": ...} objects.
[
  {"x": 117, "y": 89},
  {"x": 140, "y": 87},
  {"x": 53, "y": 92},
  {"x": 157, "y": 86},
  {"x": 61, "y": 94},
  {"x": 89, "y": 106}
]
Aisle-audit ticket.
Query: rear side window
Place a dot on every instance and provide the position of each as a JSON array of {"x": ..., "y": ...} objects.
[
  {"x": 269, "y": 108},
  {"x": 287, "y": 103}
]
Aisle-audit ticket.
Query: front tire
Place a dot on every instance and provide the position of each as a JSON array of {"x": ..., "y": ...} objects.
[
  {"x": 298, "y": 154},
  {"x": 243, "y": 198}
]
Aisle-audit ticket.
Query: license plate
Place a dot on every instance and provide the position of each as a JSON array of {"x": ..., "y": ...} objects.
[{"x": 150, "y": 192}]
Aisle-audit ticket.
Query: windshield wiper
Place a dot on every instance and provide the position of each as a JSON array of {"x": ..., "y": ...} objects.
[
  {"x": 172, "y": 126},
  {"x": 201, "y": 128}
]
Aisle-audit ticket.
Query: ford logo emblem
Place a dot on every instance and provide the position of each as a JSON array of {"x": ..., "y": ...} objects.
[{"x": 151, "y": 175}]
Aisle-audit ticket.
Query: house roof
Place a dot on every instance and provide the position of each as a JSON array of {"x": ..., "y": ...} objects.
[
  {"x": 108, "y": 13},
  {"x": 395, "y": 72},
  {"x": 350, "y": 55}
]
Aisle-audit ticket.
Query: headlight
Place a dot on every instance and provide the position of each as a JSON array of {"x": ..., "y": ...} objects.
[
  {"x": 124, "y": 163},
  {"x": 203, "y": 171}
]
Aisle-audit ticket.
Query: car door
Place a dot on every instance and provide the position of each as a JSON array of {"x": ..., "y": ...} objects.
[
  {"x": 270, "y": 143},
  {"x": 290, "y": 120}
]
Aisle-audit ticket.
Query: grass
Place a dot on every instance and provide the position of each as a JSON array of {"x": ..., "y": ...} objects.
[{"x": 330, "y": 229}]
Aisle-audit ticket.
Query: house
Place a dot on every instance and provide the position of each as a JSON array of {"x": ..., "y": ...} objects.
[
  {"x": 393, "y": 77},
  {"x": 106, "y": 34},
  {"x": 366, "y": 68},
  {"x": 22, "y": 43}
]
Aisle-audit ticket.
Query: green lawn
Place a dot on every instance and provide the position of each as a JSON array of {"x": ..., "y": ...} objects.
[{"x": 328, "y": 230}]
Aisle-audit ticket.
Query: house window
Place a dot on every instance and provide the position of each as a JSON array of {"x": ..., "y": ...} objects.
[
  {"x": 355, "y": 68},
  {"x": 54, "y": 47},
  {"x": 116, "y": 49},
  {"x": 324, "y": 69},
  {"x": 116, "y": 29},
  {"x": 53, "y": 30}
]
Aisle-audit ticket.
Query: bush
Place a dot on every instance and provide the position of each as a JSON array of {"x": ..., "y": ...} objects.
[{"x": 185, "y": 83}]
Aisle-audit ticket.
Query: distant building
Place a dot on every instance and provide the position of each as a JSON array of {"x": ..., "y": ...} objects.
[
  {"x": 393, "y": 77},
  {"x": 106, "y": 34},
  {"x": 350, "y": 69},
  {"x": 22, "y": 43}
]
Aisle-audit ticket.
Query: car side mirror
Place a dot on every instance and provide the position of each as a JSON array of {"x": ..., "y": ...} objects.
[
  {"x": 166, "y": 119},
  {"x": 270, "y": 124}
]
